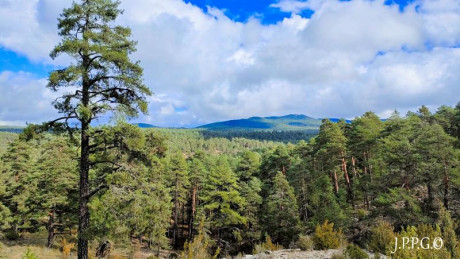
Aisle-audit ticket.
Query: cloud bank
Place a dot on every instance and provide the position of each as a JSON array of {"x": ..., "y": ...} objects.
[{"x": 347, "y": 58}]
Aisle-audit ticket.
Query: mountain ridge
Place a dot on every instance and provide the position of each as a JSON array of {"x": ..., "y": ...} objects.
[
  {"x": 278, "y": 123},
  {"x": 255, "y": 123}
]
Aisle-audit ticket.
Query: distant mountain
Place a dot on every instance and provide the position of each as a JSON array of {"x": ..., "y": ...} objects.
[
  {"x": 337, "y": 120},
  {"x": 287, "y": 122},
  {"x": 145, "y": 125},
  {"x": 11, "y": 129}
]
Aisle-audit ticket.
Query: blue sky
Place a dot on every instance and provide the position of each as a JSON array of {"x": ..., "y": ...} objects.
[
  {"x": 211, "y": 60},
  {"x": 242, "y": 10}
]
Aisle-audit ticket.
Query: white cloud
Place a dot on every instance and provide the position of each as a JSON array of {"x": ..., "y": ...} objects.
[
  {"x": 348, "y": 58},
  {"x": 24, "y": 99},
  {"x": 293, "y": 6},
  {"x": 242, "y": 57},
  {"x": 442, "y": 21}
]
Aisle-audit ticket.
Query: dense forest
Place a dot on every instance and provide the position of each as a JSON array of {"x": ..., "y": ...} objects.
[
  {"x": 363, "y": 183},
  {"x": 286, "y": 136}
]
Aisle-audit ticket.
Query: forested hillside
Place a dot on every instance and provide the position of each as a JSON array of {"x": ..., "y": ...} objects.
[
  {"x": 286, "y": 136},
  {"x": 274, "y": 123},
  {"x": 363, "y": 183}
]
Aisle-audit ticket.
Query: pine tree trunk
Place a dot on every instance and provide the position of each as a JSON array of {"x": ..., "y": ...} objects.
[
  {"x": 347, "y": 179},
  {"x": 192, "y": 216},
  {"x": 353, "y": 162},
  {"x": 176, "y": 230},
  {"x": 430, "y": 196},
  {"x": 50, "y": 229},
  {"x": 446, "y": 188},
  {"x": 336, "y": 183},
  {"x": 83, "y": 216}
]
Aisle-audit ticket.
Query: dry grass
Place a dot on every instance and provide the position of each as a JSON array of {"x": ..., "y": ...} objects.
[
  {"x": 16, "y": 252},
  {"x": 37, "y": 244}
]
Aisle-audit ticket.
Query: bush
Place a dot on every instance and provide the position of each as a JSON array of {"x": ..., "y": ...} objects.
[
  {"x": 382, "y": 238},
  {"x": 66, "y": 247},
  {"x": 429, "y": 231},
  {"x": 338, "y": 256},
  {"x": 305, "y": 243},
  {"x": 268, "y": 245},
  {"x": 354, "y": 252},
  {"x": 29, "y": 255},
  {"x": 199, "y": 247},
  {"x": 361, "y": 214},
  {"x": 325, "y": 237},
  {"x": 11, "y": 235}
]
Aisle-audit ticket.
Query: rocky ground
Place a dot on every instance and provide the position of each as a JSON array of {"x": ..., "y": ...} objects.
[{"x": 298, "y": 254}]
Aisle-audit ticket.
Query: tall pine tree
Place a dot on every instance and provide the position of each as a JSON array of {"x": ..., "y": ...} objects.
[
  {"x": 103, "y": 78},
  {"x": 283, "y": 224}
]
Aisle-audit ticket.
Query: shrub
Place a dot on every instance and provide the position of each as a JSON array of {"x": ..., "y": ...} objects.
[
  {"x": 305, "y": 243},
  {"x": 377, "y": 256},
  {"x": 29, "y": 255},
  {"x": 382, "y": 238},
  {"x": 198, "y": 248},
  {"x": 361, "y": 214},
  {"x": 325, "y": 237},
  {"x": 338, "y": 256},
  {"x": 11, "y": 235},
  {"x": 354, "y": 252},
  {"x": 66, "y": 247},
  {"x": 268, "y": 245},
  {"x": 429, "y": 231}
]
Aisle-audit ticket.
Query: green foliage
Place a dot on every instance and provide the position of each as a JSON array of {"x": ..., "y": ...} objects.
[
  {"x": 286, "y": 136},
  {"x": 29, "y": 254},
  {"x": 199, "y": 248},
  {"x": 140, "y": 203},
  {"x": 305, "y": 243},
  {"x": 18, "y": 186},
  {"x": 189, "y": 141},
  {"x": 422, "y": 231},
  {"x": 325, "y": 237},
  {"x": 382, "y": 238},
  {"x": 106, "y": 81},
  {"x": 5, "y": 139},
  {"x": 266, "y": 246},
  {"x": 274, "y": 161},
  {"x": 222, "y": 202},
  {"x": 448, "y": 232},
  {"x": 354, "y": 252},
  {"x": 330, "y": 146},
  {"x": 282, "y": 212},
  {"x": 11, "y": 234},
  {"x": 323, "y": 202}
]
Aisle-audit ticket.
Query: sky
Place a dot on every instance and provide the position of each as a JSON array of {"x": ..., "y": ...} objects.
[{"x": 214, "y": 60}]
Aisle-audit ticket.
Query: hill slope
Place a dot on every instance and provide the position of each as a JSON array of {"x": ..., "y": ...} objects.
[
  {"x": 11, "y": 129},
  {"x": 288, "y": 122}
]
